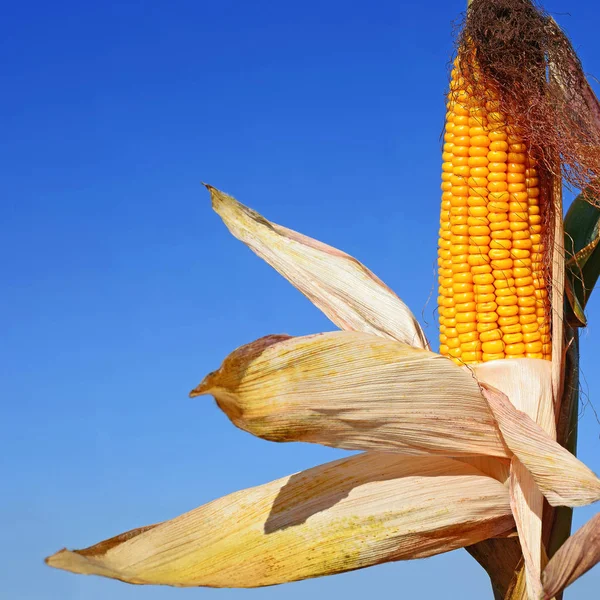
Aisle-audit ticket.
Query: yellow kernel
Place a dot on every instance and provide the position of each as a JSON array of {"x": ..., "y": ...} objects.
[
  {"x": 518, "y": 253},
  {"x": 501, "y": 146},
  {"x": 497, "y": 176},
  {"x": 461, "y": 170},
  {"x": 518, "y": 226},
  {"x": 479, "y": 230},
  {"x": 497, "y": 136},
  {"x": 461, "y": 130},
  {"x": 527, "y": 301},
  {"x": 483, "y": 278},
  {"x": 535, "y": 347},
  {"x": 500, "y": 243},
  {"x": 497, "y": 206},
  {"x": 476, "y": 129},
  {"x": 470, "y": 336},
  {"x": 477, "y": 171},
  {"x": 497, "y": 254},
  {"x": 481, "y": 298},
  {"x": 515, "y": 177},
  {"x": 466, "y": 327},
  {"x": 496, "y": 156},
  {"x": 501, "y": 284},
  {"x": 512, "y": 166},
  {"x": 464, "y": 296},
  {"x": 497, "y": 186},
  {"x": 522, "y": 281},
  {"x": 463, "y": 140},
  {"x": 498, "y": 217},
  {"x": 452, "y": 342},
  {"x": 457, "y": 249},
  {"x": 507, "y": 311},
  {"x": 504, "y": 263},
  {"x": 512, "y": 338},
  {"x": 523, "y": 263},
  {"x": 479, "y": 140},
  {"x": 497, "y": 167},
  {"x": 488, "y": 326},
  {"x": 478, "y": 192},
  {"x": 509, "y": 300},
  {"x": 459, "y": 258},
  {"x": 459, "y": 239},
  {"x": 490, "y": 336},
  {"x": 478, "y": 151},
  {"x": 463, "y": 278},
  {"x": 459, "y": 229},
  {"x": 458, "y": 161},
  {"x": 532, "y": 337},
  {"x": 459, "y": 268},
  {"x": 513, "y": 349},
  {"x": 463, "y": 307},
  {"x": 509, "y": 324},
  {"x": 471, "y": 346},
  {"x": 478, "y": 259},
  {"x": 523, "y": 244},
  {"x": 486, "y": 307},
  {"x": 492, "y": 356},
  {"x": 480, "y": 240},
  {"x": 515, "y": 187},
  {"x": 460, "y": 150},
  {"x": 501, "y": 231},
  {"x": 477, "y": 161},
  {"x": 458, "y": 211},
  {"x": 517, "y": 147},
  {"x": 478, "y": 211},
  {"x": 470, "y": 357},
  {"x": 526, "y": 290},
  {"x": 493, "y": 347},
  {"x": 484, "y": 289},
  {"x": 528, "y": 323},
  {"x": 534, "y": 354},
  {"x": 466, "y": 317},
  {"x": 455, "y": 353}
]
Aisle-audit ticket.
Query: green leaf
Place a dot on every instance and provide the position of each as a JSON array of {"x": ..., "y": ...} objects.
[{"x": 582, "y": 247}]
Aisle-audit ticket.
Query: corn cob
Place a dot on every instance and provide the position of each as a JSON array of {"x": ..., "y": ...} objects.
[{"x": 493, "y": 301}]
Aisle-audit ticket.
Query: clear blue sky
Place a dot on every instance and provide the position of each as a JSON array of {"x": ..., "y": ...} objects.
[{"x": 121, "y": 288}]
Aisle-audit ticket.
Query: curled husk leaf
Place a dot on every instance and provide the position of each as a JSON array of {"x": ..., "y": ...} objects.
[
  {"x": 344, "y": 289},
  {"x": 574, "y": 558},
  {"x": 344, "y": 515},
  {"x": 355, "y": 391}
]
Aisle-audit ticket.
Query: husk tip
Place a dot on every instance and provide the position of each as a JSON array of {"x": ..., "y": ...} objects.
[
  {"x": 203, "y": 388},
  {"x": 59, "y": 559}
]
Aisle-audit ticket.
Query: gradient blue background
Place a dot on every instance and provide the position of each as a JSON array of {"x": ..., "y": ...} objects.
[{"x": 121, "y": 288}]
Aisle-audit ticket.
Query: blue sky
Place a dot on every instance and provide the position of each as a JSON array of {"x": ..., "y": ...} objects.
[{"x": 121, "y": 288}]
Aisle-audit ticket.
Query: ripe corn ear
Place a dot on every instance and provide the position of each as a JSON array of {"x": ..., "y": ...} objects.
[{"x": 493, "y": 299}]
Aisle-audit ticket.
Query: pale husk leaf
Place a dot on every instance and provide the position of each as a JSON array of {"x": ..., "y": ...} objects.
[
  {"x": 527, "y": 504},
  {"x": 344, "y": 515},
  {"x": 528, "y": 384},
  {"x": 344, "y": 289},
  {"x": 561, "y": 477},
  {"x": 574, "y": 558},
  {"x": 355, "y": 391}
]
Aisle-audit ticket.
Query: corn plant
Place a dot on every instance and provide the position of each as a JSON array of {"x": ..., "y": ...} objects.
[{"x": 472, "y": 446}]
